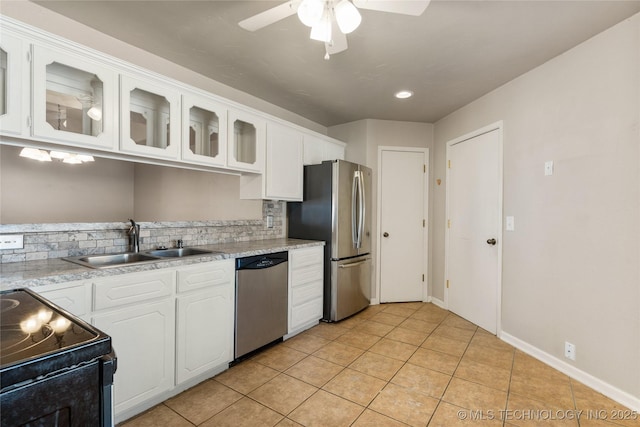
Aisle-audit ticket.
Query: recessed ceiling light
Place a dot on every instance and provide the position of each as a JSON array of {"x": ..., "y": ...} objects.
[{"x": 404, "y": 94}]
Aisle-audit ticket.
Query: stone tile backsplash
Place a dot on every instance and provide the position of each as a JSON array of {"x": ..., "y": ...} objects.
[{"x": 44, "y": 241}]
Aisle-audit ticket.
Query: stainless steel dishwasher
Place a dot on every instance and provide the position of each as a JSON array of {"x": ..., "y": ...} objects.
[{"x": 261, "y": 301}]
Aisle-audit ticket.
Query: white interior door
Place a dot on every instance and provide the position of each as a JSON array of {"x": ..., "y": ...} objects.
[
  {"x": 402, "y": 232},
  {"x": 474, "y": 208}
]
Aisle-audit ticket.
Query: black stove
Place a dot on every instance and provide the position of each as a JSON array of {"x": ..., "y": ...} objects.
[{"x": 56, "y": 369}]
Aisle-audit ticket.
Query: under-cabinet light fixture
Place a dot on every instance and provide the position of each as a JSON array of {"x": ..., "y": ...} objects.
[{"x": 44, "y": 156}]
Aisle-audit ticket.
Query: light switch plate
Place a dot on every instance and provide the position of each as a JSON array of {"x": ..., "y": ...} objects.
[
  {"x": 548, "y": 168},
  {"x": 510, "y": 223},
  {"x": 11, "y": 241}
]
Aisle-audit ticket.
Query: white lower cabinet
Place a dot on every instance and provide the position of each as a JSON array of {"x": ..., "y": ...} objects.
[
  {"x": 204, "y": 331},
  {"x": 137, "y": 310},
  {"x": 74, "y": 297},
  {"x": 306, "y": 287}
]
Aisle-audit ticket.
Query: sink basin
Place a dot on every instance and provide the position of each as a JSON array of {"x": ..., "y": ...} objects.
[
  {"x": 179, "y": 252},
  {"x": 113, "y": 260},
  {"x": 128, "y": 258}
]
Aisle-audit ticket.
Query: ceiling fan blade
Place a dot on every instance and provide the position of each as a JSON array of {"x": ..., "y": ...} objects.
[
  {"x": 338, "y": 42},
  {"x": 405, "y": 7},
  {"x": 270, "y": 16}
]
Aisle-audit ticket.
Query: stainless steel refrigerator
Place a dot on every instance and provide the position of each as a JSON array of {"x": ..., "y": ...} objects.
[{"x": 337, "y": 209}]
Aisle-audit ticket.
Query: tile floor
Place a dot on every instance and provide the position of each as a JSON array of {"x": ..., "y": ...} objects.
[{"x": 390, "y": 365}]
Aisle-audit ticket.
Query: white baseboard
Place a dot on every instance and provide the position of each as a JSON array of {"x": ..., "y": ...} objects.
[
  {"x": 598, "y": 385},
  {"x": 437, "y": 302}
]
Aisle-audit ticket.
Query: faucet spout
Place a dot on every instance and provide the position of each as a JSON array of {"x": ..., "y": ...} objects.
[{"x": 134, "y": 237}]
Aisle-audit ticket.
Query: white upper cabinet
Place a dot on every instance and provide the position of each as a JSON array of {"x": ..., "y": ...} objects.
[
  {"x": 246, "y": 137},
  {"x": 317, "y": 150},
  {"x": 204, "y": 131},
  {"x": 149, "y": 118},
  {"x": 282, "y": 176},
  {"x": 74, "y": 99},
  {"x": 13, "y": 85}
]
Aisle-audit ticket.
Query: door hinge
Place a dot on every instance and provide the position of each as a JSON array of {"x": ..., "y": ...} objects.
[
  {"x": 449, "y": 164},
  {"x": 448, "y": 223},
  {"x": 424, "y": 168},
  {"x": 423, "y": 277},
  {"x": 424, "y": 223},
  {"x": 447, "y": 283},
  {"x": 28, "y": 56}
]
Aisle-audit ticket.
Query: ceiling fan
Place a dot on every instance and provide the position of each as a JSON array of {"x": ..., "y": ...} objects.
[{"x": 331, "y": 20}]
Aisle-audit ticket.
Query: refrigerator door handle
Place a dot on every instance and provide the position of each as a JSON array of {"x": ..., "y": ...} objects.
[
  {"x": 354, "y": 208},
  {"x": 353, "y": 264},
  {"x": 362, "y": 207}
]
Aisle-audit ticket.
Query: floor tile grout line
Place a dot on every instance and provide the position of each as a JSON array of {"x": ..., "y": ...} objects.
[{"x": 440, "y": 400}]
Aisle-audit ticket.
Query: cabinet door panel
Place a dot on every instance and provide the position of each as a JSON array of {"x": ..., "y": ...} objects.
[
  {"x": 246, "y": 141},
  {"x": 13, "y": 88},
  {"x": 204, "y": 131},
  {"x": 283, "y": 174},
  {"x": 143, "y": 339},
  {"x": 149, "y": 118},
  {"x": 204, "y": 331},
  {"x": 74, "y": 99}
]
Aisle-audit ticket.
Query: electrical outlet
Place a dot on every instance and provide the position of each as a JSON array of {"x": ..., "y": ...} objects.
[
  {"x": 11, "y": 241},
  {"x": 569, "y": 350},
  {"x": 269, "y": 221}
]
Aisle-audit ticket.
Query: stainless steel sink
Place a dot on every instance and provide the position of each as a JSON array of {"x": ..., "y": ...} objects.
[
  {"x": 128, "y": 258},
  {"x": 179, "y": 252},
  {"x": 113, "y": 260}
]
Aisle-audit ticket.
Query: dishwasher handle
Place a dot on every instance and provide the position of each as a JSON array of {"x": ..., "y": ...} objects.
[{"x": 258, "y": 262}]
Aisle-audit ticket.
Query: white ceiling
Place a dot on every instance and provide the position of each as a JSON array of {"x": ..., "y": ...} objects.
[{"x": 452, "y": 54}]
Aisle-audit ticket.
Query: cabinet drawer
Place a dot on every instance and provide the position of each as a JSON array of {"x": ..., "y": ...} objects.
[
  {"x": 306, "y": 256},
  {"x": 130, "y": 288},
  {"x": 206, "y": 275},
  {"x": 73, "y": 299},
  {"x": 307, "y": 312},
  {"x": 301, "y": 276},
  {"x": 306, "y": 292}
]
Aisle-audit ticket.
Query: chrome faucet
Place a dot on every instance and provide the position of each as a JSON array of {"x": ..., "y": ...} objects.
[{"x": 134, "y": 237}]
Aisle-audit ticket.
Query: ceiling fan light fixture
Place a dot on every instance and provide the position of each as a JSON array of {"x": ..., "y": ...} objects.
[
  {"x": 322, "y": 30},
  {"x": 347, "y": 16},
  {"x": 310, "y": 12}
]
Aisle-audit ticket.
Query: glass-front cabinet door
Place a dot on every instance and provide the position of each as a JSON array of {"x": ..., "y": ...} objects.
[
  {"x": 74, "y": 99},
  {"x": 13, "y": 86},
  {"x": 204, "y": 131},
  {"x": 247, "y": 139},
  {"x": 149, "y": 118}
]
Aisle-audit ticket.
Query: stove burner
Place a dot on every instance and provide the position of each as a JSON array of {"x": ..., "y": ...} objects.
[{"x": 7, "y": 304}]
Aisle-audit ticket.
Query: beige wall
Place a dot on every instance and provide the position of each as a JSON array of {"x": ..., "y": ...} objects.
[
  {"x": 37, "y": 16},
  {"x": 34, "y": 192},
  {"x": 112, "y": 190},
  {"x": 170, "y": 194},
  {"x": 363, "y": 139},
  {"x": 571, "y": 267}
]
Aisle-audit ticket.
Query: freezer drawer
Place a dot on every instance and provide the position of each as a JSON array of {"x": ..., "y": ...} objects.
[{"x": 350, "y": 287}]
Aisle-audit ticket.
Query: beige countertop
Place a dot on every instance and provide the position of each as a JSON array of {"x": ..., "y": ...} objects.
[{"x": 31, "y": 274}]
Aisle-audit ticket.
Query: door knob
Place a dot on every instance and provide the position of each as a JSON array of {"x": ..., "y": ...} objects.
[
  {"x": 492, "y": 242},
  {"x": 385, "y": 234}
]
